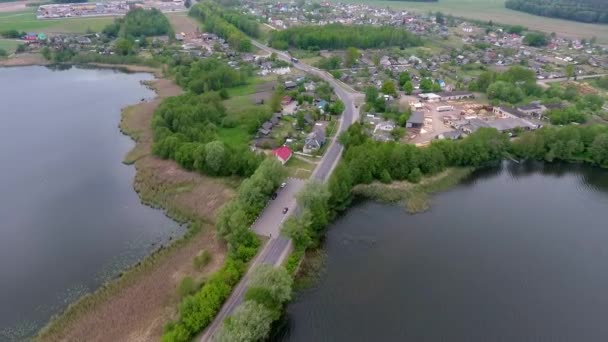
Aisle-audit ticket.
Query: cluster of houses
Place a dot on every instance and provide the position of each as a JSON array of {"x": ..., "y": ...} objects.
[{"x": 108, "y": 8}]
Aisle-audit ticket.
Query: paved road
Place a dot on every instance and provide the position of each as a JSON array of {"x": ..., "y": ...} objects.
[
  {"x": 270, "y": 221},
  {"x": 276, "y": 250}
]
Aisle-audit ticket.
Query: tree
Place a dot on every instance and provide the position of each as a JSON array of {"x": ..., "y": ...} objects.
[
  {"x": 351, "y": 56},
  {"x": 276, "y": 280},
  {"x": 251, "y": 321},
  {"x": 408, "y": 87},
  {"x": 426, "y": 85},
  {"x": 599, "y": 149},
  {"x": 388, "y": 87},
  {"x": 215, "y": 156},
  {"x": 124, "y": 46},
  {"x": 337, "y": 107},
  {"x": 569, "y": 71},
  {"x": 404, "y": 78},
  {"x": 536, "y": 39}
]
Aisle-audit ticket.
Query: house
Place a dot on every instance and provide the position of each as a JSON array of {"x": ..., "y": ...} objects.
[
  {"x": 31, "y": 37},
  {"x": 510, "y": 124},
  {"x": 314, "y": 140},
  {"x": 286, "y": 100},
  {"x": 456, "y": 95},
  {"x": 289, "y": 85},
  {"x": 533, "y": 109},
  {"x": 321, "y": 105},
  {"x": 283, "y": 154},
  {"x": 473, "y": 125},
  {"x": 430, "y": 97},
  {"x": 509, "y": 112},
  {"x": 416, "y": 120},
  {"x": 266, "y": 128}
]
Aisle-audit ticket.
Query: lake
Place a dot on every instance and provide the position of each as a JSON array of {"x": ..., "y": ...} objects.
[
  {"x": 69, "y": 217},
  {"x": 516, "y": 253}
]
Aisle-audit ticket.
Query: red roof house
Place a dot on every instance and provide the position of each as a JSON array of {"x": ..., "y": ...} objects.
[{"x": 283, "y": 154}]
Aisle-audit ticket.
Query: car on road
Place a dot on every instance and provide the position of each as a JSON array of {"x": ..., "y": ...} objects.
[
  {"x": 294, "y": 60},
  {"x": 283, "y": 185},
  {"x": 274, "y": 196},
  {"x": 285, "y": 210}
]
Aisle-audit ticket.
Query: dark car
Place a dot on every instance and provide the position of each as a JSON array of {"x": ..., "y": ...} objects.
[
  {"x": 285, "y": 210},
  {"x": 274, "y": 196}
]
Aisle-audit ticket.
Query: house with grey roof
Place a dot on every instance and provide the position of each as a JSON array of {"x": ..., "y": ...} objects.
[
  {"x": 416, "y": 120},
  {"x": 314, "y": 140}
]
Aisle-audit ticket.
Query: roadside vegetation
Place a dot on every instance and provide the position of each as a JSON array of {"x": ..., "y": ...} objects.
[
  {"x": 198, "y": 310},
  {"x": 269, "y": 290}
]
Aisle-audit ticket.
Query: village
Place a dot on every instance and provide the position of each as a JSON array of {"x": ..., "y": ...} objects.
[
  {"x": 438, "y": 104},
  {"x": 108, "y": 8}
]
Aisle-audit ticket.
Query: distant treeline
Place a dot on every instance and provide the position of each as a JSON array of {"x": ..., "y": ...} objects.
[
  {"x": 337, "y": 36},
  {"x": 588, "y": 11},
  {"x": 416, "y": 0},
  {"x": 226, "y": 25}
]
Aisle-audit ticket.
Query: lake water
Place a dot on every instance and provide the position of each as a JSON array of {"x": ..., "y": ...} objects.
[
  {"x": 69, "y": 217},
  {"x": 517, "y": 253}
]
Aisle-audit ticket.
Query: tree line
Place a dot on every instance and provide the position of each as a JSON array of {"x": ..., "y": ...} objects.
[
  {"x": 197, "y": 311},
  {"x": 588, "y": 11},
  {"x": 337, "y": 36},
  {"x": 209, "y": 74},
  {"x": 213, "y": 21}
]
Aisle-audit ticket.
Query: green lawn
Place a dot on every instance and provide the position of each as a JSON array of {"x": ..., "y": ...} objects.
[
  {"x": 26, "y": 21},
  {"x": 8, "y": 45},
  {"x": 495, "y": 10},
  {"x": 298, "y": 168},
  {"x": 235, "y": 137}
]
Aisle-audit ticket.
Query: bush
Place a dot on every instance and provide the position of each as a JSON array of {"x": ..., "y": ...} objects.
[
  {"x": 202, "y": 259},
  {"x": 186, "y": 287},
  {"x": 415, "y": 175},
  {"x": 3, "y": 53}
]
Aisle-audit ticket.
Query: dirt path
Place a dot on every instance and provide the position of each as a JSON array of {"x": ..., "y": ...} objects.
[{"x": 136, "y": 307}]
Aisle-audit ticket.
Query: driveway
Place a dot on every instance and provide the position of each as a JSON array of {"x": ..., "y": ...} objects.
[{"x": 270, "y": 221}]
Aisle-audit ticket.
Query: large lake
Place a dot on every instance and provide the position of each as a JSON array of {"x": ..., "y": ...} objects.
[
  {"x": 517, "y": 253},
  {"x": 69, "y": 217}
]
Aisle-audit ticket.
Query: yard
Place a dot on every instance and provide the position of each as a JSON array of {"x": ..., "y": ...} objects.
[
  {"x": 26, "y": 21},
  {"x": 299, "y": 168},
  {"x": 494, "y": 10}
]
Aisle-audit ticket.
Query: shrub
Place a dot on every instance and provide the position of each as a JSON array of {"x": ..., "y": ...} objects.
[
  {"x": 186, "y": 287},
  {"x": 202, "y": 259}
]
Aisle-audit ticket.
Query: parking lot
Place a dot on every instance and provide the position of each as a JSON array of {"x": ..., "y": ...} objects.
[{"x": 270, "y": 221}]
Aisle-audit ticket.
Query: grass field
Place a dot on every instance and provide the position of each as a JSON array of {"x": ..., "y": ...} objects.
[
  {"x": 26, "y": 21},
  {"x": 8, "y": 45},
  {"x": 495, "y": 10}
]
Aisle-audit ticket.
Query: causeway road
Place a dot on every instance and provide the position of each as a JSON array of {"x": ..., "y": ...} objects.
[{"x": 277, "y": 248}]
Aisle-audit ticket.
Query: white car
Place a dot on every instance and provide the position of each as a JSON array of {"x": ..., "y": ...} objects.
[{"x": 283, "y": 185}]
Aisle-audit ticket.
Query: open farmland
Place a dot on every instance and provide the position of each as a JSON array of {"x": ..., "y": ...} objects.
[
  {"x": 26, "y": 21},
  {"x": 495, "y": 10}
]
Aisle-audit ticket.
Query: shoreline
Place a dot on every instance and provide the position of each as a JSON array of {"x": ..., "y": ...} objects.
[{"x": 144, "y": 296}]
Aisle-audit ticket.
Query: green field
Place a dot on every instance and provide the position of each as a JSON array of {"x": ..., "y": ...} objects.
[
  {"x": 8, "y": 45},
  {"x": 494, "y": 10},
  {"x": 26, "y": 21}
]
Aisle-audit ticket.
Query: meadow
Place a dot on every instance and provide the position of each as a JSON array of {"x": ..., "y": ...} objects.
[
  {"x": 26, "y": 21},
  {"x": 494, "y": 10}
]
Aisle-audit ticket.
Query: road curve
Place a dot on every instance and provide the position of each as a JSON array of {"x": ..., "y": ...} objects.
[{"x": 277, "y": 249}]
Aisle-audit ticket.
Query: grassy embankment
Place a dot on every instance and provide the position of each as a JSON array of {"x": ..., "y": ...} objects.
[
  {"x": 415, "y": 196},
  {"x": 138, "y": 304},
  {"x": 495, "y": 10}
]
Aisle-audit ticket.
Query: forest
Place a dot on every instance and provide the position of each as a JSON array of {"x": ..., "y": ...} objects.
[
  {"x": 588, "y": 11},
  {"x": 337, "y": 36}
]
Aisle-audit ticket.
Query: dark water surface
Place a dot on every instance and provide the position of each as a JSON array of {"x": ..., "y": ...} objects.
[
  {"x": 518, "y": 253},
  {"x": 69, "y": 217}
]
